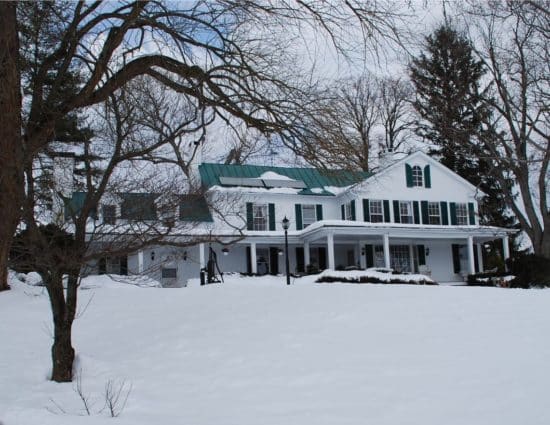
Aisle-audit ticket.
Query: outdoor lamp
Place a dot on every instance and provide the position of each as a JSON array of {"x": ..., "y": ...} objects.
[{"x": 286, "y": 223}]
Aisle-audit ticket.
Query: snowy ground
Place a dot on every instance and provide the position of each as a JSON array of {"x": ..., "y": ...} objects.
[{"x": 256, "y": 352}]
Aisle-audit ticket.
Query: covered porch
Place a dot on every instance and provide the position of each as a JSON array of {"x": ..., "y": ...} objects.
[{"x": 444, "y": 253}]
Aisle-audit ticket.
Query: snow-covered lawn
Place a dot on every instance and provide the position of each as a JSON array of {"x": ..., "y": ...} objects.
[{"x": 256, "y": 352}]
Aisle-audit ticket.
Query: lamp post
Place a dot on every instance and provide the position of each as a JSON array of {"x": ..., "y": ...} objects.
[{"x": 286, "y": 223}]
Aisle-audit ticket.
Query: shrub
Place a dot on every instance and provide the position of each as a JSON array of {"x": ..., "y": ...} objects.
[
  {"x": 531, "y": 271},
  {"x": 372, "y": 279},
  {"x": 486, "y": 278},
  {"x": 312, "y": 269}
]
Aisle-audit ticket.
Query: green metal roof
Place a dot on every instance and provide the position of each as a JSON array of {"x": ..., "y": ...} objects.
[
  {"x": 313, "y": 178},
  {"x": 141, "y": 206}
]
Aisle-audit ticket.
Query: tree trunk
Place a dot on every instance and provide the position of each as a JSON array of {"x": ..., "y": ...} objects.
[
  {"x": 62, "y": 353},
  {"x": 542, "y": 247},
  {"x": 63, "y": 316},
  {"x": 11, "y": 149},
  {"x": 4, "y": 250}
]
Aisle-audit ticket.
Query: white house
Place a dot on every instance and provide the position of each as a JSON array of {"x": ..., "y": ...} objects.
[{"x": 414, "y": 216}]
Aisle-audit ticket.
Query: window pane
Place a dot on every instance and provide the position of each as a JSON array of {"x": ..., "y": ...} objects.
[
  {"x": 417, "y": 176},
  {"x": 348, "y": 211},
  {"x": 308, "y": 215},
  {"x": 376, "y": 211},
  {"x": 169, "y": 273},
  {"x": 109, "y": 214},
  {"x": 433, "y": 212},
  {"x": 405, "y": 211},
  {"x": 462, "y": 214},
  {"x": 259, "y": 212},
  {"x": 400, "y": 258}
]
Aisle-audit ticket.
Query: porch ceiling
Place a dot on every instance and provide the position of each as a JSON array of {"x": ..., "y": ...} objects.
[{"x": 368, "y": 231}]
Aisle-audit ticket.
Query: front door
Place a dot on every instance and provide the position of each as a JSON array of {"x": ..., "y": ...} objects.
[
  {"x": 262, "y": 261},
  {"x": 274, "y": 260}
]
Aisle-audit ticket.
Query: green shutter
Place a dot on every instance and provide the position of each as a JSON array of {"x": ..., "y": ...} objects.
[
  {"x": 454, "y": 221},
  {"x": 298, "y": 214},
  {"x": 396, "y": 215},
  {"x": 472, "y": 213},
  {"x": 249, "y": 217},
  {"x": 416, "y": 212},
  {"x": 409, "y": 175},
  {"x": 476, "y": 260},
  {"x": 425, "y": 215},
  {"x": 456, "y": 258},
  {"x": 319, "y": 212},
  {"x": 300, "y": 259},
  {"x": 343, "y": 211},
  {"x": 369, "y": 255},
  {"x": 421, "y": 255},
  {"x": 366, "y": 212},
  {"x": 271, "y": 208},
  {"x": 248, "y": 260},
  {"x": 352, "y": 210},
  {"x": 444, "y": 214},
  {"x": 387, "y": 218},
  {"x": 427, "y": 177}
]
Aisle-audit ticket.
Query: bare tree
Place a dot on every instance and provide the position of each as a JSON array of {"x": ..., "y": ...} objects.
[
  {"x": 341, "y": 126},
  {"x": 244, "y": 143},
  {"x": 114, "y": 166},
  {"x": 355, "y": 120},
  {"x": 514, "y": 47},
  {"x": 396, "y": 113},
  {"x": 75, "y": 55},
  {"x": 11, "y": 148}
]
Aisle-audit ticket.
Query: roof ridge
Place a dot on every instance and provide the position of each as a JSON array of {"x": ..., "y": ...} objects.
[{"x": 287, "y": 168}]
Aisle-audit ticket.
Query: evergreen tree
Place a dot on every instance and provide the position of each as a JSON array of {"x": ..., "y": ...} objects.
[{"x": 454, "y": 116}]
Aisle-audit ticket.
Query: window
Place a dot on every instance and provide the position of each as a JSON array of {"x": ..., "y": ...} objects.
[
  {"x": 400, "y": 258},
  {"x": 109, "y": 214},
  {"x": 259, "y": 216},
  {"x": 433, "y": 213},
  {"x": 168, "y": 215},
  {"x": 417, "y": 176},
  {"x": 169, "y": 273},
  {"x": 462, "y": 214},
  {"x": 405, "y": 212},
  {"x": 376, "y": 211},
  {"x": 379, "y": 256},
  {"x": 348, "y": 215},
  {"x": 309, "y": 215}
]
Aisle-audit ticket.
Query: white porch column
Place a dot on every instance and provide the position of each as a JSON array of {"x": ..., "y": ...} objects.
[
  {"x": 387, "y": 262},
  {"x": 480, "y": 257},
  {"x": 253, "y": 260},
  {"x": 411, "y": 257},
  {"x": 306, "y": 254},
  {"x": 330, "y": 251},
  {"x": 362, "y": 255},
  {"x": 471, "y": 261},
  {"x": 505, "y": 250},
  {"x": 140, "y": 261},
  {"x": 202, "y": 258}
]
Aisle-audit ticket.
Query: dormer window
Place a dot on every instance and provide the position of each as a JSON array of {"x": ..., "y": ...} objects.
[
  {"x": 416, "y": 176},
  {"x": 417, "y": 180},
  {"x": 109, "y": 214}
]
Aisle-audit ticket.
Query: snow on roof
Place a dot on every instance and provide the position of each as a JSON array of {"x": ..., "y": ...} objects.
[
  {"x": 271, "y": 175},
  {"x": 238, "y": 189}
]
